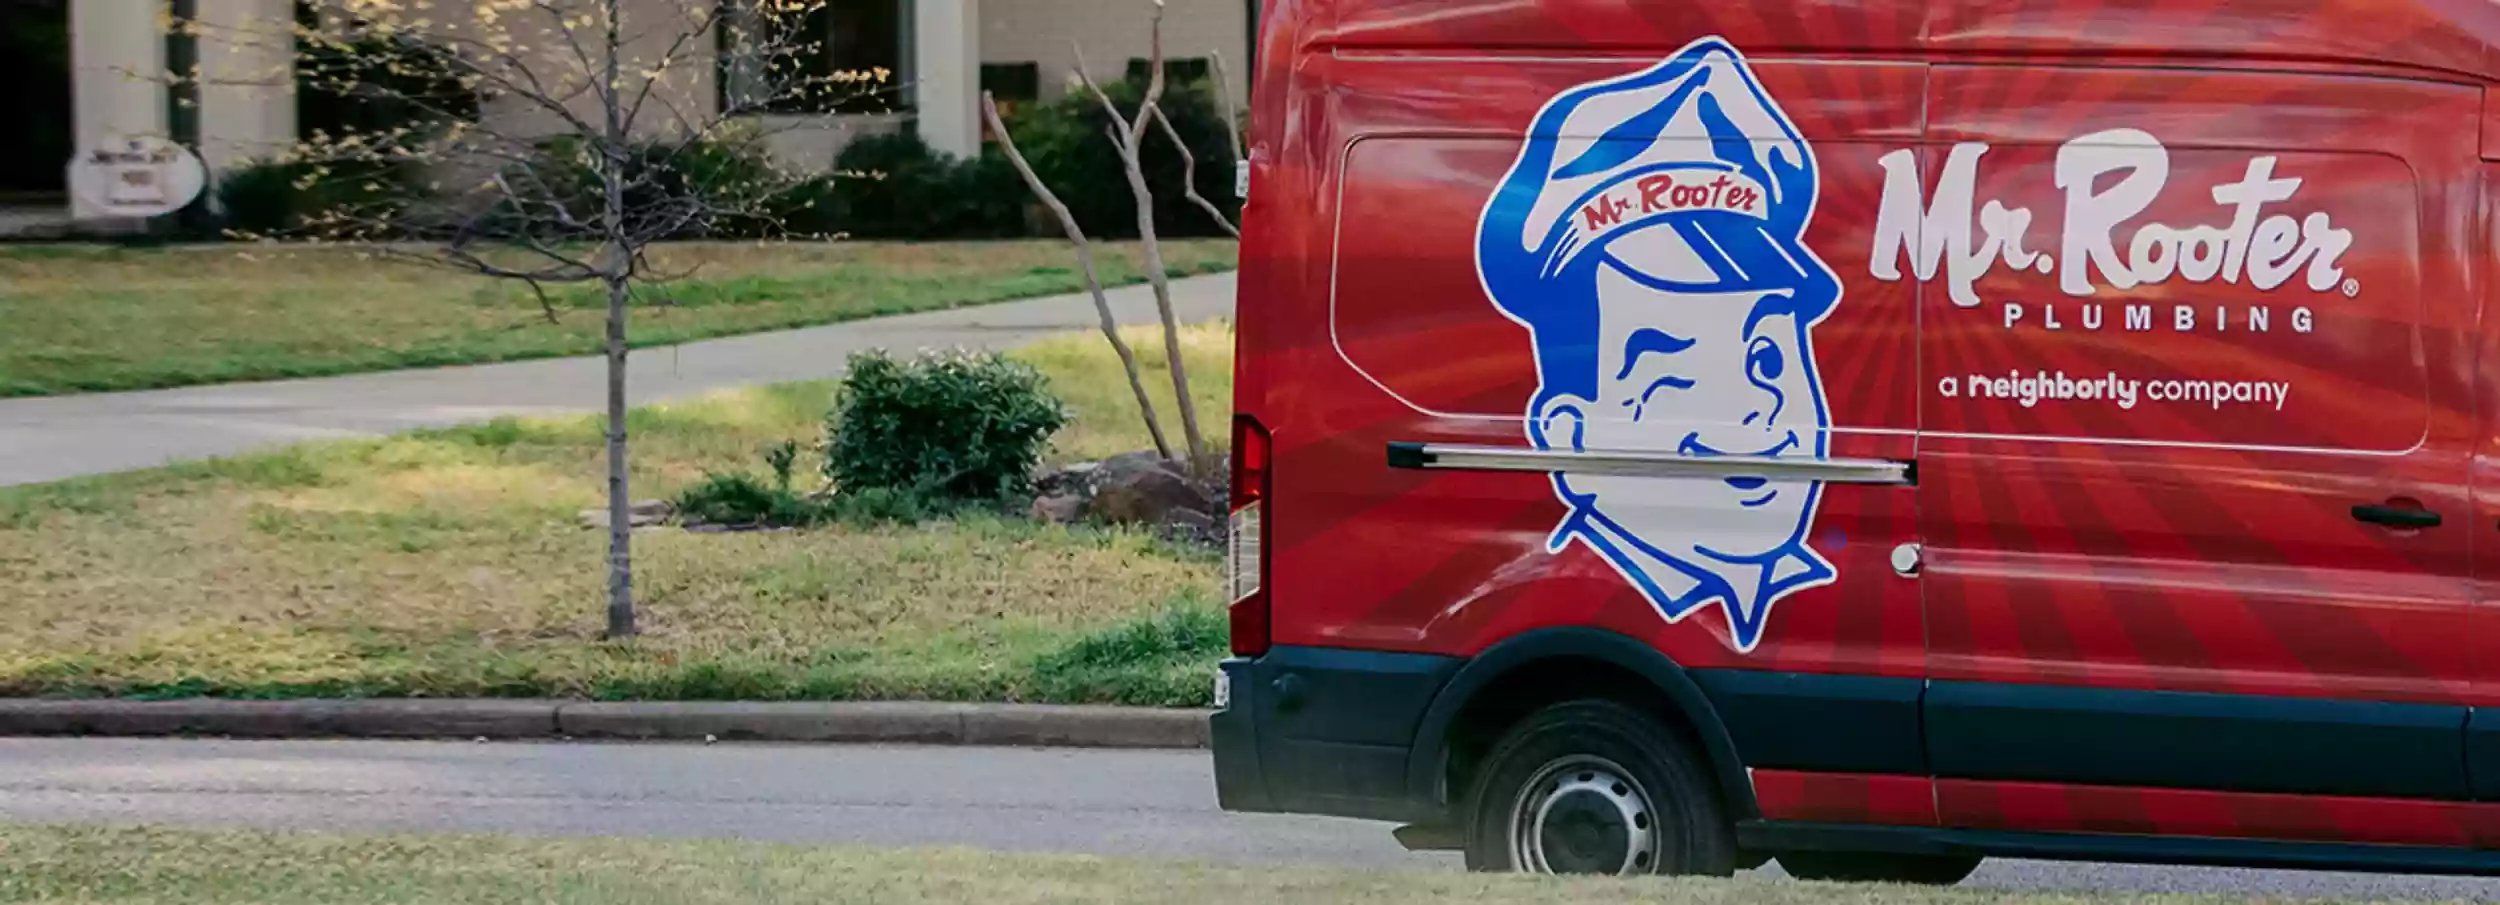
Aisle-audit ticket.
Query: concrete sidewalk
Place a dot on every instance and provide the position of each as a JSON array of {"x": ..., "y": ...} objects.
[{"x": 55, "y": 437}]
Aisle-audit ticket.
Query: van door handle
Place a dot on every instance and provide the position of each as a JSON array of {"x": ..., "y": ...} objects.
[{"x": 2395, "y": 516}]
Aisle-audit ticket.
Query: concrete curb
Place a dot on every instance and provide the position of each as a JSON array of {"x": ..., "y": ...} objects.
[{"x": 1006, "y": 725}]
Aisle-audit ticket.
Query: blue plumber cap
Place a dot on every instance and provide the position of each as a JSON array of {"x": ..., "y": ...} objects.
[{"x": 1685, "y": 175}]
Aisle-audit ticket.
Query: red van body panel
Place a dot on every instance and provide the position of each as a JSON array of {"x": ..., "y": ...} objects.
[
  {"x": 2437, "y": 36},
  {"x": 2174, "y": 312}
]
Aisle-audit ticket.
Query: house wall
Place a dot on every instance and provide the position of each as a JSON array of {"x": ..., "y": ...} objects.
[
  {"x": 809, "y": 144},
  {"x": 654, "y": 30},
  {"x": 248, "y": 111},
  {"x": 118, "y": 92},
  {"x": 1112, "y": 31},
  {"x": 247, "y": 81}
]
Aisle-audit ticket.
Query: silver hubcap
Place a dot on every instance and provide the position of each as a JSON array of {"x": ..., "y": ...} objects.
[{"x": 1583, "y": 814}]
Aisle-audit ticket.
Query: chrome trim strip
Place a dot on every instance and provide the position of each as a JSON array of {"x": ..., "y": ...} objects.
[{"x": 1647, "y": 464}]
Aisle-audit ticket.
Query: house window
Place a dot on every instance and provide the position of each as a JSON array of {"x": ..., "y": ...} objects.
[
  {"x": 352, "y": 82},
  {"x": 1012, "y": 85},
  {"x": 1012, "y": 81},
  {"x": 1175, "y": 71},
  {"x": 821, "y": 58},
  {"x": 35, "y": 64}
]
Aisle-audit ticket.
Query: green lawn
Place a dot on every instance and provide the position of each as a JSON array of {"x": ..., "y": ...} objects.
[
  {"x": 86, "y": 318},
  {"x": 451, "y": 563},
  {"x": 193, "y": 867}
]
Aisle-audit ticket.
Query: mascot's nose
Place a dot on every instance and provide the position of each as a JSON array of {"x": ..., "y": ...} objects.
[{"x": 1764, "y": 405}]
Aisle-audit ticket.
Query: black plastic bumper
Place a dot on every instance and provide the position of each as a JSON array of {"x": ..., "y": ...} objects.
[
  {"x": 1325, "y": 731},
  {"x": 1240, "y": 783}
]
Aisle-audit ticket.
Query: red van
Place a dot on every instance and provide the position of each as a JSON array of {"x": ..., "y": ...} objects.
[{"x": 1874, "y": 434}]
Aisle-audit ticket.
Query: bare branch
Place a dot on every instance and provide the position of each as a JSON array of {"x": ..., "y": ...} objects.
[
  {"x": 490, "y": 65},
  {"x": 1083, "y": 75},
  {"x": 1154, "y": 79},
  {"x": 464, "y": 261},
  {"x": 545, "y": 305},
  {"x": 700, "y": 28},
  {"x": 1232, "y": 117},
  {"x": 560, "y": 22},
  {"x": 1085, "y": 258},
  {"x": 1189, "y": 175}
]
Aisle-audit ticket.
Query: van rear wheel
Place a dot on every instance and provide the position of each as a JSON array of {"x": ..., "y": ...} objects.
[
  {"x": 1872, "y": 867},
  {"x": 1596, "y": 787}
]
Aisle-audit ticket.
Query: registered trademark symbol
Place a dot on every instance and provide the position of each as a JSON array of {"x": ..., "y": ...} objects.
[{"x": 2352, "y": 288}]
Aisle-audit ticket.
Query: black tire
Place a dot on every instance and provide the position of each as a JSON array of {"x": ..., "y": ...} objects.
[
  {"x": 1871, "y": 867},
  {"x": 1611, "y": 790}
]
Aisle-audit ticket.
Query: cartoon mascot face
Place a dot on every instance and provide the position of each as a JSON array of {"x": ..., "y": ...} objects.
[{"x": 1650, "y": 237}]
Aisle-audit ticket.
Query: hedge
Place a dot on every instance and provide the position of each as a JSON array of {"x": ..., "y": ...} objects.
[{"x": 881, "y": 186}]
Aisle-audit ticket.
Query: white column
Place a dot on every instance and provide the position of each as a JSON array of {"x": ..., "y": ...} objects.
[
  {"x": 946, "y": 74},
  {"x": 247, "y": 95},
  {"x": 117, "y": 89}
]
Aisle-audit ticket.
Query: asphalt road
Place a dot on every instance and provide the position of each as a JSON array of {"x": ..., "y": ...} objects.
[{"x": 1140, "y": 803}]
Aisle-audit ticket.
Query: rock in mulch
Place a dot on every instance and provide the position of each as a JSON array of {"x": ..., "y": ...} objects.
[
  {"x": 1075, "y": 480},
  {"x": 1145, "y": 489},
  {"x": 1058, "y": 508},
  {"x": 1139, "y": 488}
]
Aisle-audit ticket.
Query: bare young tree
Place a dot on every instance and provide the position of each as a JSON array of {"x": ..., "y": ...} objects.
[
  {"x": 1085, "y": 260},
  {"x": 562, "y": 140},
  {"x": 1128, "y": 136}
]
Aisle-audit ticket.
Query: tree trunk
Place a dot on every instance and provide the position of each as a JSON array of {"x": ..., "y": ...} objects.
[
  {"x": 619, "y": 265},
  {"x": 1163, "y": 302},
  {"x": 620, "y": 493}
]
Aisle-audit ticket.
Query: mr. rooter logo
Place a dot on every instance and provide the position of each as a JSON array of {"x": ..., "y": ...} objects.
[
  {"x": 2257, "y": 236},
  {"x": 2257, "y": 245}
]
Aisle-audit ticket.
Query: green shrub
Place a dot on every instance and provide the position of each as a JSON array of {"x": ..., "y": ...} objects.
[
  {"x": 888, "y": 506},
  {"x": 739, "y": 499},
  {"x": 783, "y": 459},
  {"x": 732, "y": 174},
  {"x": 813, "y": 207},
  {"x": 742, "y": 500},
  {"x": 895, "y": 187},
  {"x": 289, "y": 199},
  {"x": 259, "y": 198},
  {"x": 665, "y": 179},
  {"x": 1064, "y": 141},
  {"x": 956, "y": 425}
]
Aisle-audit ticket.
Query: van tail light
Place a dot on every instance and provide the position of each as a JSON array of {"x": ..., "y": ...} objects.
[{"x": 1245, "y": 557}]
